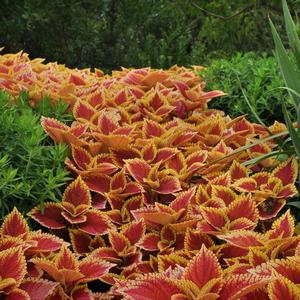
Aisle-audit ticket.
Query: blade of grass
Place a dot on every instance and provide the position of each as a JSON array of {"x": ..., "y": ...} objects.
[
  {"x": 290, "y": 75},
  {"x": 294, "y": 135},
  {"x": 246, "y": 147},
  {"x": 264, "y": 156},
  {"x": 291, "y": 31}
]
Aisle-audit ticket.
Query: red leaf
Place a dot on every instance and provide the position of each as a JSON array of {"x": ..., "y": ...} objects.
[
  {"x": 243, "y": 238},
  {"x": 82, "y": 111},
  {"x": 66, "y": 259},
  {"x": 283, "y": 289},
  {"x": 81, "y": 292},
  {"x": 81, "y": 157},
  {"x": 245, "y": 185},
  {"x": 282, "y": 227},
  {"x": 132, "y": 188},
  {"x": 152, "y": 129},
  {"x": 106, "y": 124},
  {"x": 44, "y": 242},
  {"x": 183, "y": 200},
  {"x": 17, "y": 294},
  {"x": 237, "y": 171},
  {"x": 106, "y": 254},
  {"x": 97, "y": 223},
  {"x": 150, "y": 242},
  {"x": 134, "y": 231},
  {"x": 118, "y": 241},
  {"x": 237, "y": 286},
  {"x": 149, "y": 152},
  {"x": 76, "y": 80},
  {"x": 15, "y": 225},
  {"x": 214, "y": 216},
  {"x": 78, "y": 196},
  {"x": 138, "y": 169},
  {"x": 287, "y": 171},
  {"x": 169, "y": 185},
  {"x": 165, "y": 154},
  {"x": 12, "y": 267},
  {"x": 211, "y": 94},
  {"x": 203, "y": 268},
  {"x": 151, "y": 287},
  {"x": 98, "y": 183},
  {"x": 51, "y": 218},
  {"x": 183, "y": 137},
  {"x": 38, "y": 289},
  {"x": 243, "y": 206},
  {"x": 92, "y": 268},
  {"x": 118, "y": 182},
  {"x": 80, "y": 241}
]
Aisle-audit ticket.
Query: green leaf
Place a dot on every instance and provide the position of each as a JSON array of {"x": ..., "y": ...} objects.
[
  {"x": 294, "y": 203},
  {"x": 291, "y": 31},
  {"x": 293, "y": 134},
  {"x": 288, "y": 71},
  {"x": 246, "y": 147},
  {"x": 255, "y": 160}
]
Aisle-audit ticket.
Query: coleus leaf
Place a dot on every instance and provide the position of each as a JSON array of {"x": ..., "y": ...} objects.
[
  {"x": 96, "y": 223},
  {"x": 169, "y": 185},
  {"x": 81, "y": 157},
  {"x": 135, "y": 231},
  {"x": 92, "y": 268},
  {"x": 76, "y": 198},
  {"x": 38, "y": 289},
  {"x": 83, "y": 111},
  {"x": 287, "y": 171},
  {"x": 81, "y": 292},
  {"x": 138, "y": 169},
  {"x": 15, "y": 225},
  {"x": 283, "y": 289},
  {"x": 150, "y": 287},
  {"x": 282, "y": 227},
  {"x": 237, "y": 286},
  {"x": 43, "y": 243},
  {"x": 203, "y": 268},
  {"x": 51, "y": 218},
  {"x": 243, "y": 238},
  {"x": 12, "y": 268},
  {"x": 119, "y": 242},
  {"x": 18, "y": 294},
  {"x": 61, "y": 133}
]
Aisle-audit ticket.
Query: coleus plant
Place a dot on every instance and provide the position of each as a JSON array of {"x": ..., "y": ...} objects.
[
  {"x": 28, "y": 257},
  {"x": 161, "y": 193}
]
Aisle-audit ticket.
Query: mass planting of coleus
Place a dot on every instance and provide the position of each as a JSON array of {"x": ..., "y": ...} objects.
[{"x": 162, "y": 205}]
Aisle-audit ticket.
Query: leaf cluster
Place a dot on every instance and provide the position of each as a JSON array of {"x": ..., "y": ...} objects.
[
  {"x": 136, "y": 33},
  {"x": 260, "y": 79},
  {"x": 31, "y": 167}
]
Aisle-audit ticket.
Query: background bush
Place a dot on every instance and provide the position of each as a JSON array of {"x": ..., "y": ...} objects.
[
  {"x": 157, "y": 33},
  {"x": 31, "y": 167},
  {"x": 260, "y": 78}
]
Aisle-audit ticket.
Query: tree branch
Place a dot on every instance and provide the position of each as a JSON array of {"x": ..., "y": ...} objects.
[{"x": 224, "y": 18}]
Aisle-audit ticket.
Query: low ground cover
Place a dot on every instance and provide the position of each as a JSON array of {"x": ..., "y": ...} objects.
[
  {"x": 170, "y": 199},
  {"x": 32, "y": 167},
  {"x": 162, "y": 204}
]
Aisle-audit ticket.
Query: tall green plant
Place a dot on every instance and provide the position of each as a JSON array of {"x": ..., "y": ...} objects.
[
  {"x": 290, "y": 73},
  {"x": 31, "y": 167}
]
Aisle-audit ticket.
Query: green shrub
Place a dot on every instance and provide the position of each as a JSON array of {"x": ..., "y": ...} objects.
[
  {"x": 31, "y": 167},
  {"x": 259, "y": 76},
  {"x": 159, "y": 33}
]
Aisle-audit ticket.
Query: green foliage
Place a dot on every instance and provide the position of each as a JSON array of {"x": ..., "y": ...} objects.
[
  {"x": 31, "y": 167},
  {"x": 114, "y": 33},
  {"x": 259, "y": 78},
  {"x": 290, "y": 73}
]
